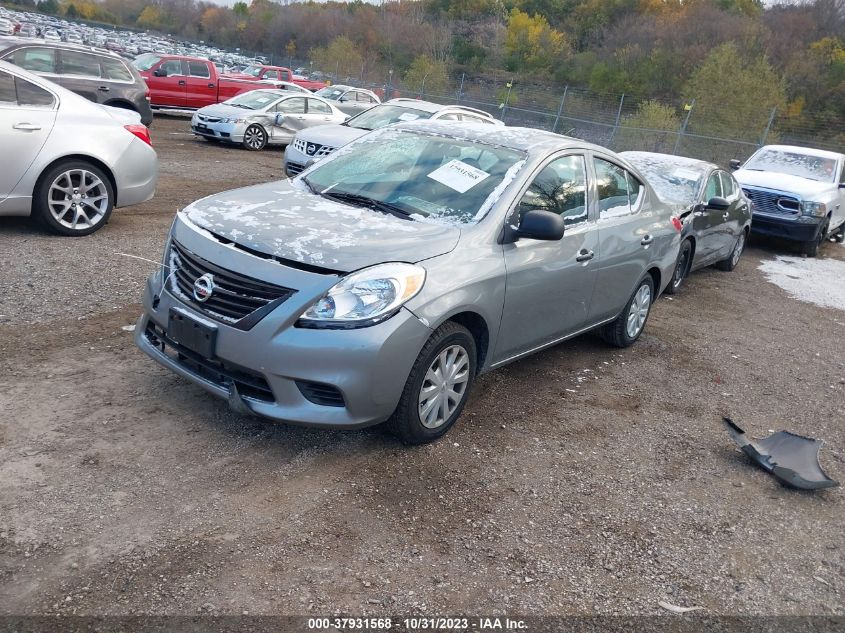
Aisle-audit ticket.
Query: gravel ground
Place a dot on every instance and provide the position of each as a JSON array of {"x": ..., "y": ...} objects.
[{"x": 584, "y": 480}]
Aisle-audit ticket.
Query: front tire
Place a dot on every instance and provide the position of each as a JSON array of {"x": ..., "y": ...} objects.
[
  {"x": 628, "y": 326},
  {"x": 731, "y": 261},
  {"x": 811, "y": 248},
  {"x": 437, "y": 387},
  {"x": 73, "y": 198},
  {"x": 681, "y": 268},
  {"x": 255, "y": 138}
]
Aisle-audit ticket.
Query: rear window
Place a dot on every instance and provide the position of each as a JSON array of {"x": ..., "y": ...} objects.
[
  {"x": 32, "y": 95},
  {"x": 80, "y": 64},
  {"x": 115, "y": 70}
]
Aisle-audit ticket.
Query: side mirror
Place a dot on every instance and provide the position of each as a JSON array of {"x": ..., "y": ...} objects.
[
  {"x": 541, "y": 225},
  {"x": 160, "y": 72},
  {"x": 717, "y": 203},
  {"x": 280, "y": 116},
  {"x": 735, "y": 164},
  {"x": 842, "y": 185}
]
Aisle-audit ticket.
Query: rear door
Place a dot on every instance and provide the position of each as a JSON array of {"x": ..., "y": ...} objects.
[
  {"x": 550, "y": 283},
  {"x": 318, "y": 113},
  {"x": 27, "y": 115},
  {"x": 171, "y": 89},
  {"x": 201, "y": 88},
  {"x": 80, "y": 72},
  {"x": 625, "y": 236}
]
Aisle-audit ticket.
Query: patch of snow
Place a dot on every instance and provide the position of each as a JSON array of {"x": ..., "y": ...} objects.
[{"x": 814, "y": 280}]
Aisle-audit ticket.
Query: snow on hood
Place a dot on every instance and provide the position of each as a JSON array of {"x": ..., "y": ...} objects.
[
  {"x": 331, "y": 135},
  {"x": 282, "y": 220},
  {"x": 803, "y": 187}
]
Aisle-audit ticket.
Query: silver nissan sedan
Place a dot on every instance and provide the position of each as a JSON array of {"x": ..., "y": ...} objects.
[{"x": 379, "y": 283}]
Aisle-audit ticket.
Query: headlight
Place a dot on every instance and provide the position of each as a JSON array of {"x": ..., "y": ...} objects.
[
  {"x": 366, "y": 297},
  {"x": 233, "y": 120},
  {"x": 818, "y": 209}
]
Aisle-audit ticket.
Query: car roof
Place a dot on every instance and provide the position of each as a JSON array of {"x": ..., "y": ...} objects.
[
  {"x": 8, "y": 43},
  {"x": 808, "y": 151},
  {"x": 518, "y": 138},
  {"x": 430, "y": 106},
  {"x": 677, "y": 161}
]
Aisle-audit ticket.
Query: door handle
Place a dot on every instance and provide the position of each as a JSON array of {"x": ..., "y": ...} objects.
[
  {"x": 648, "y": 239},
  {"x": 103, "y": 88},
  {"x": 211, "y": 85},
  {"x": 181, "y": 82},
  {"x": 26, "y": 127},
  {"x": 584, "y": 255},
  {"x": 725, "y": 215}
]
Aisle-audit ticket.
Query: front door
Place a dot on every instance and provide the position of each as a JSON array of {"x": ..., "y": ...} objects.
[
  {"x": 27, "y": 114},
  {"x": 171, "y": 88},
  {"x": 550, "y": 283},
  {"x": 709, "y": 224},
  {"x": 292, "y": 120}
]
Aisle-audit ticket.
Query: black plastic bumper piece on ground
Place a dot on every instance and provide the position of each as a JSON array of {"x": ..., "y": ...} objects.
[{"x": 792, "y": 459}]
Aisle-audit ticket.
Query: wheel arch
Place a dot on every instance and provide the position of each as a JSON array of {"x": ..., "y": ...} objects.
[
  {"x": 78, "y": 157},
  {"x": 121, "y": 103},
  {"x": 477, "y": 326},
  {"x": 654, "y": 271}
]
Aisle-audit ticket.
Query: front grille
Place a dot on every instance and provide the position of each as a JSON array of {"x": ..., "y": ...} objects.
[
  {"x": 294, "y": 168},
  {"x": 773, "y": 202},
  {"x": 249, "y": 384},
  {"x": 235, "y": 299},
  {"x": 318, "y": 393},
  {"x": 208, "y": 119},
  {"x": 313, "y": 149}
]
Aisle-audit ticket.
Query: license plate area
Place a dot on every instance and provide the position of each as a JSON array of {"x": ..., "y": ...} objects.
[
  {"x": 191, "y": 333},
  {"x": 202, "y": 126}
]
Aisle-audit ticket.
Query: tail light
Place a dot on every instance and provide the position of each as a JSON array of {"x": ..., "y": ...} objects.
[
  {"x": 677, "y": 224},
  {"x": 141, "y": 132}
]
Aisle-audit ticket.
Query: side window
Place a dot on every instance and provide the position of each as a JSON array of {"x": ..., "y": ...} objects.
[
  {"x": 173, "y": 67},
  {"x": 316, "y": 106},
  {"x": 842, "y": 175},
  {"x": 294, "y": 105},
  {"x": 115, "y": 70},
  {"x": 612, "y": 185},
  {"x": 271, "y": 74},
  {"x": 7, "y": 89},
  {"x": 370, "y": 99},
  {"x": 636, "y": 192},
  {"x": 80, "y": 64},
  {"x": 198, "y": 69},
  {"x": 729, "y": 188},
  {"x": 474, "y": 119},
  {"x": 713, "y": 188},
  {"x": 32, "y": 95},
  {"x": 560, "y": 188},
  {"x": 37, "y": 60},
  {"x": 452, "y": 116},
  {"x": 284, "y": 75}
]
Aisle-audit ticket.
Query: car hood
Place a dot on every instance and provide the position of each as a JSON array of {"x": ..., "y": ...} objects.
[
  {"x": 283, "y": 220},
  {"x": 331, "y": 135},
  {"x": 804, "y": 187},
  {"x": 223, "y": 111}
]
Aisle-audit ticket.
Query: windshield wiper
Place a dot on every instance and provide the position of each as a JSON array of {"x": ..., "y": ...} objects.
[{"x": 364, "y": 201}]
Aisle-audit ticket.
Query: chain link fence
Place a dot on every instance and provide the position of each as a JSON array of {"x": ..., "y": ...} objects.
[{"x": 611, "y": 120}]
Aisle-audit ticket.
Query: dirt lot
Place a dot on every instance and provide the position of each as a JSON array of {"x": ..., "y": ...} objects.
[{"x": 584, "y": 480}]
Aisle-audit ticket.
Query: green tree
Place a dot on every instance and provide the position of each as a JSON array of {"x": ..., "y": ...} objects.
[
  {"x": 48, "y": 6},
  {"x": 240, "y": 9},
  {"x": 70, "y": 12},
  {"x": 734, "y": 95},
  {"x": 427, "y": 76},
  {"x": 651, "y": 128},
  {"x": 151, "y": 18},
  {"x": 341, "y": 57}
]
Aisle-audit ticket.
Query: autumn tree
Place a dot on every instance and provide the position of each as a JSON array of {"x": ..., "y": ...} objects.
[
  {"x": 341, "y": 57},
  {"x": 531, "y": 44},
  {"x": 651, "y": 128},
  {"x": 427, "y": 75}
]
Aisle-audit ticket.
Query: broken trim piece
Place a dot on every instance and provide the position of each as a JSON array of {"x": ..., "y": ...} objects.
[{"x": 792, "y": 459}]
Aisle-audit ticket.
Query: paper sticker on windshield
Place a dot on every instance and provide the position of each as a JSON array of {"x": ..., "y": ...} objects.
[
  {"x": 458, "y": 175},
  {"x": 686, "y": 174},
  {"x": 408, "y": 116}
]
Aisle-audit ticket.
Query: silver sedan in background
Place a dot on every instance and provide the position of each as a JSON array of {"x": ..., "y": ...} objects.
[
  {"x": 349, "y": 99},
  {"x": 257, "y": 118},
  {"x": 68, "y": 161}
]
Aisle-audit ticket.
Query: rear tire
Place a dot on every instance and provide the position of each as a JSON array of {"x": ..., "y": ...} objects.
[
  {"x": 681, "y": 268},
  {"x": 446, "y": 366},
  {"x": 630, "y": 323},
  {"x": 255, "y": 138},
  {"x": 731, "y": 261},
  {"x": 840, "y": 235},
  {"x": 73, "y": 198}
]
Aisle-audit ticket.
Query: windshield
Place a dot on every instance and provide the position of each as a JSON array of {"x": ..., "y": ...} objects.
[
  {"x": 671, "y": 180},
  {"x": 425, "y": 177},
  {"x": 145, "y": 62},
  {"x": 253, "y": 100},
  {"x": 330, "y": 92},
  {"x": 252, "y": 70},
  {"x": 818, "y": 168},
  {"x": 385, "y": 114}
]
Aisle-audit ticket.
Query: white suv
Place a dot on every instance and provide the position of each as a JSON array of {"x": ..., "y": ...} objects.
[{"x": 314, "y": 143}]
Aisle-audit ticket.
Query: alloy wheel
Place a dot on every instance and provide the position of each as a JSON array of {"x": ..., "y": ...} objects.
[
  {"x": 638, "y": 313},
  {"x": 78, "y": 199},
  {"x": 254, "y": 137},
  {"x": 681, "y": 268},
  {"x": 740, "y": 246},
  {"x": 444, "y": 386}
]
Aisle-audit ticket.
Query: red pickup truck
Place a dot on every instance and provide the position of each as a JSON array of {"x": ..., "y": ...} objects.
[
  {"x": 257, "y": 72},
  {"x": 187, "y": 82}
]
